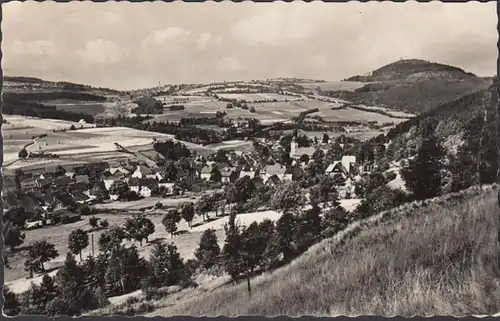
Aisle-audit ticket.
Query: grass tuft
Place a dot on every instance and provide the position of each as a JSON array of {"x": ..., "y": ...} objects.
[{"x": 437, "y": 259}]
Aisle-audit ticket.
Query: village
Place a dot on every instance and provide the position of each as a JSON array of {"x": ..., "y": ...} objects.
[{"x": 63, "y": 193}]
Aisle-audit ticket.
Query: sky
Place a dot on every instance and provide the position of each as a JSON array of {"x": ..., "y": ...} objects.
[{"x": 125, "y": 45}]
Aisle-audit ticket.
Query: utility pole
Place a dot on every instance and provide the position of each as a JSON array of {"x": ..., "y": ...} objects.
[{"x": 92, "y": 239}]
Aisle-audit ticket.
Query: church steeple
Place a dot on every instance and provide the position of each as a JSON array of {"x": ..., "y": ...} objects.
[{"x": 293, "y": 146}]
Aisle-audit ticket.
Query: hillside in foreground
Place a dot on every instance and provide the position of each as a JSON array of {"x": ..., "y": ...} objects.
[
  {"x": 413, "y": 86},
  {"x": 436, "y": 257}
]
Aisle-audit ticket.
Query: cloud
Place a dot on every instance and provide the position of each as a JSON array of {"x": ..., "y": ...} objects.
[
  {"x": 279, "y": 25},
  {"x": 167, "y": 36},
  {"x": 38, "y": 48},
  {"x": 206, "y": 39},
  {"x": 230, "y": 64},
  {"x": 101, "y": 52}
]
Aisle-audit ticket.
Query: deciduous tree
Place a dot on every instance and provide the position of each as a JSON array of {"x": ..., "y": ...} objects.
[
  {"x": 208, "y": 250},
  {"x": 77, "y": 241}
]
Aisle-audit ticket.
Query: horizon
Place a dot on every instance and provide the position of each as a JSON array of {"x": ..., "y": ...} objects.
[{"x": 255, "y": 42}]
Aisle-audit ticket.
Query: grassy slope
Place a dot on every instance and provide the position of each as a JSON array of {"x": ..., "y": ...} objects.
[{"x": 439, "y": 257}]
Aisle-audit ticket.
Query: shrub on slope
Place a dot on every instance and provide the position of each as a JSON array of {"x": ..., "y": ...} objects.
[{"x": 432, "y": 257}]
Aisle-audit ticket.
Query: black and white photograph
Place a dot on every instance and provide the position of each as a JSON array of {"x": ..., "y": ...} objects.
[{"x": 235, "y": 159}]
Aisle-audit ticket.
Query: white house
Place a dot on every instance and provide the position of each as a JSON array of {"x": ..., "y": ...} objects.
[
  {"x": 109, "y": 182},
  {"x": 335, "y": 168},
  {"x": 135, "y": 188},
  {"x": 206, "y": 173},
  {"x": 145, "y": 191},
  {"x": 250, "y": 174},
  {"x": 296, "y": 152},
  {"x": 349, "y": 163},
  {"x": 156, "y": 175},
  {"x": 141, "y": 172}
]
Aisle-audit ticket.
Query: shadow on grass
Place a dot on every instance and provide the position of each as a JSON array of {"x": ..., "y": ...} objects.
[
  {"x": 211, "y": 219},
  {"x": 181, "y": 232},
  {"x": 157, "y": 240}
]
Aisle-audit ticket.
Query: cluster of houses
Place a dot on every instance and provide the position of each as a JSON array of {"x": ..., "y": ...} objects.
[{"x": 56, "y": 188}]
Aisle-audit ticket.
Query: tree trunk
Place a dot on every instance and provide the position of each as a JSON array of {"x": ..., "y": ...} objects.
[
  {"x": 81, "y": 256},
  {"x": 42, "y": 267},
  {"x": 216, "y": 214},
  {"x": 140, "y": 242},
  {"x": 248, "y": 283}
]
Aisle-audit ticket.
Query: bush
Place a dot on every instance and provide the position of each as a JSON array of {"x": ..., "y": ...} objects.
[
  {"x": 94, "y": 222},
  {"x": 104, "y": 223},
  {"x": 390, "y": 176},
  {"x": 85, "y": 210}
]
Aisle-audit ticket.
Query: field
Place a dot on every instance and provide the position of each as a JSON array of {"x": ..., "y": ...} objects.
[
  {"x": 432, "y": 258},
  {"x": 355, "y": 115},
  {"x": 333, "y": 85},
  {"x": 87, "y": 144},
  {"x": 252, "y": 97},
  {"x": 144, "y": 203},
  {"x": 186, "y": 241},
  {"x": 91, "y": 108},
  {"x": 240, "y": 145},
  {"x": 19, "y": 130},
  {"x": 363, "y": 134}
]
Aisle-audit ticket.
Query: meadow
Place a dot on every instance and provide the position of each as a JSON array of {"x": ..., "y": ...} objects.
[
  {"x": 333, "y": 85},
  {"x": 91, "y": 108},
  {"x": 253, "y": 97},
  {"x": 437, "y": 257},
  {"x": 350, "y": 114}
]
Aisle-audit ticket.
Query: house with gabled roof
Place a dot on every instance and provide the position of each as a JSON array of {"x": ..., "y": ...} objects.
[
  {"x": 273, "y": 180},
  {"x": 147, "y": 186},
  {"x": 43, "y": 183},
  {"x": 80, "y": 170},
  {"x": 118, "y": 170},
  {"x": 335, "y": 168},
  {"x": 100, "y": 167},
  {"x": 141, "y": 172},
  {"x": 82, "y": 179},
  {"x": 9, "y": 185},
  {"x": 155, "y": 174},
  {"x": 206, "y": 172},
  {"x": 79, "y": 187},
  {"x": 48, "y": 199},
  {"x": 250, "y": 173},
  {"x": 80, "y": 198},
  {"x": 62, "y": 181},
  {"x": 349, "y": 163},
  {"x": 277, "y": 170},
  {"x": 70, "y": 174},
  {"x": 108, "y": 182},
  {"x": 229, "y": 175},
  {"x": 134, "y": 184}
]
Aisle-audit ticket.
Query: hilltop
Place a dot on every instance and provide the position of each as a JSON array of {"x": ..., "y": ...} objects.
[
  {"x": 435, "y": 257},
  {"x": 413, "y": 86},
  {"x": 405, "y": 68}
]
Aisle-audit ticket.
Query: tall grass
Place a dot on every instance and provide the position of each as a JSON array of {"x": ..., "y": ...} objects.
[{"x": 427, "y": 258}]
